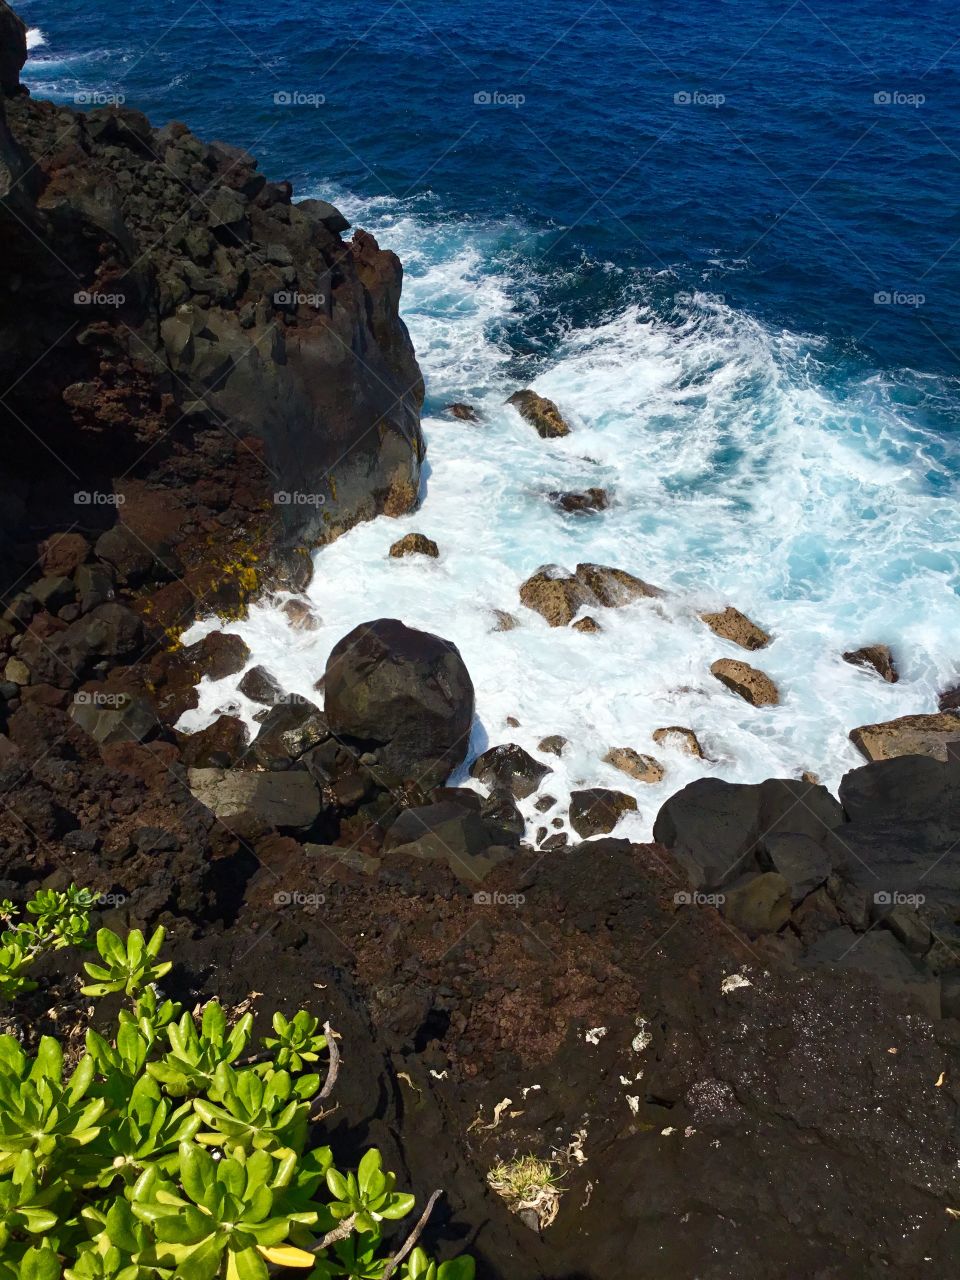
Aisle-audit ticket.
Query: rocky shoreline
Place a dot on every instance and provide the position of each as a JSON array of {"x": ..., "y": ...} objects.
[{"x": 739, "y": 1043}]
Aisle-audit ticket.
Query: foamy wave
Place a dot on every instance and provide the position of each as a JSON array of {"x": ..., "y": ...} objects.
[
  {"x": 737, "y": 476},
  {"x": 35, "y": 38}
]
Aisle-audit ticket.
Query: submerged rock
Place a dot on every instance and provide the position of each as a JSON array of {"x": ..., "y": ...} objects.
[
  {"x": 407, "y": 692},
  {"x": 587, "y": 625},
  {"x": 580, "y": 502},
  {"x": 735, "y": 626},
  {"x": 505, "y": 621},
  {"x": 752, "y": 685},
  {"x": 929, "y": 735},
  {"x": 877, "y": 656},
  {"x": 677, "y": 736},
  {"x": 559, "y": 596},
  {"x": 553, "y": 744},
  {"x": 596, "y": 811},
  {"x": 464, "y": 412},
  {"x": 414, "y": 544},
  {"x": 643, "y": 768},
  {"x": 541, "y": 413},
  {"x": 300, "y": 615}
]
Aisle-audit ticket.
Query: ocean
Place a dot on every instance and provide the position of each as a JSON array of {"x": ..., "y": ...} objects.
[{"x": 724, "y": 239}]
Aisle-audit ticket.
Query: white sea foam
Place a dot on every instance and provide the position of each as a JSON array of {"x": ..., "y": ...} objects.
[
  {"x": 736, "y": 477},
  {"x": 35, "y": 38}
]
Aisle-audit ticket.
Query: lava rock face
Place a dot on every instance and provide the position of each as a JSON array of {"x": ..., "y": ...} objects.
[
  {"x": 13, "y": 49},
  {"x": 406, "y": 692}
]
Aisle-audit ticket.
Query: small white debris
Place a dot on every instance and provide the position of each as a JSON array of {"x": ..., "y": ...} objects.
[
  {"x": 643, "y": 1038},
  {"x": 733, "y": 982},
  {"x": 530, "y": 1088},
  {"x": 595, "y": 1035},
  {"x": 439, "y": 1075},
  {"x": 689, "y": 1131},
  {"x": 665, "y": 1133},
  {"x": 633, "y": 1102}
]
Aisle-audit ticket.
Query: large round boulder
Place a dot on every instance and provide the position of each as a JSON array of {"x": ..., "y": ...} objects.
[{"x": 406, "y": 693}]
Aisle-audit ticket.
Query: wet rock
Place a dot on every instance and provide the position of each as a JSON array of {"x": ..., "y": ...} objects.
[
  {"x": 587, "y": 625},
  {"x": 464, "y": 412},
  {"x": 545, "y": 803},
  {"x": 596, "y": 810},
  {"x": 949, "y": 700},
  {"x": 414, "y": 544},
  {"x": 735, "y": 626},
  {"x": 62, "y": 553},
  {"x": 553, "y": 744},
  {"x": 875, "y": 656},
  {"x": 614, "y": 587},
  {"x": 509, "y": 768},
  {"x": 288, "y": 730},
  {"x": 925, "y": 735},
  {"x": 260, "y": 686},
  {"x": 221, "y": 745},
  {"x": 505, "y": 621},
  {"x": 406, "y": 692},
  {"x": 878, "y": 954},
  {"x": 300, "y": 615},
  {"x": 127, "y": 719},
  {"x": 679, "y": 738},
  {"x": 642, "y": 768},
  {"x": 580, "y": 502},
  {"x": 13, "y": 49},
  {"x": 801, "y": 860},
  {"x": 541, "y": 413},
  {"x": 757, "y": 903},
  {"x": 556, "y": 596},
  {"x": 245, "y": 801},
  {"x": 500, "y": 808},
  {"x": 218, "y": 655},
  {"x": 750, "y": 684}
]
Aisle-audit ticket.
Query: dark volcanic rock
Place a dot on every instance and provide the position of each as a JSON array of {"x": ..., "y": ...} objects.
[
  {"x": 221, "y": 745},
  {"x": 757, "y": 903},
  {"x": 801, "y": 860},
  {"x": 405, "y": 691},
  {"x": 217, "y": 655},
  {"x": 878, "y": 954},
  {"x": 470, "y": 844},
  {"x": 580, "y": 502},
  {"x": 13, "y": 48},
  {"x": 596, "y": 811},
  {"x": 250, "y": 802},
  {"x": 510, "y": 768},
  {"x": 260, "y": 686},
  {"x": 287, "y": 731}
]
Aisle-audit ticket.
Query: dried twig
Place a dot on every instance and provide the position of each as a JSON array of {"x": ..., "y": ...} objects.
[
  {"x": 412, "y": 1238},
  {"x": 338, "y": 1233},
  {"x": 333, "y": 1067}
]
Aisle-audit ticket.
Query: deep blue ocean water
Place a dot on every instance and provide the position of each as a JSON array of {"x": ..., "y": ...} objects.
[{"x": 725, "y": 237}]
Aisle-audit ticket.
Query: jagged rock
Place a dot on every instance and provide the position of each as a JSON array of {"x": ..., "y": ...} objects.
[
  {"x": 876, "y": 656},
  {"x": 906, "y": 926},
  {"x": 509, "y": 768},
  {"x": 556, "y": 596},
  {"x": 300, "y": 615},
  {"x": 930, "y": 735},
  {"x": 53, "y": 592},
  {"x": 62, "y": 553},
  {"x": 248, "y": 801},
  {"x": 414, "y": 544},
  {"x": 541, "y": 413},
  {"x": 613, "y": 587},
  {"x": 108, "y": 631},
  {"x": 127, "y": 554},
  {"x": 326, "y": 214},
  {"x": 757, "y": 903},
  {"x": 682, "y": 739},
  {"x": 733, "y": 625},
  {"x": 470, "y": 844},
  {"x": 406, "y": 692},
  {"x": 260, "y": 686},
  {"x": 221, "y": 745},
  {"x": 500, "y": 808},
  {"x": 878, "y": 954},
  {"x": 553, "y": 744},
  {"x": 16, "y": 672},
  {"x": 218, "y": 655},
  {"x": 596, "y": 811},
  {"x": 635, "y": 765},
  {"x": 903, "y": 789},
  {"x": 94, "y": 585},
  {"x": 801, "y": 860},
  {"x": 465, "y": 412},
  {"x": 505, "y": 621},
  {"x": 587, "y": 625},
  {"x": 287, "y": 731},
  {"x": 125, "y": 719},
  {"x": 13, "y": 49},
  {"x": 579, "y": 502},
  {"x": 752, "y": 685},
  {"x": 949, "y": 699}
]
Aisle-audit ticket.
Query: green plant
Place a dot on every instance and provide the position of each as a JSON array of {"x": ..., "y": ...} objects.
[
  {"x": 57, "y": 919},
  {"x": 170, "y": 1152}
]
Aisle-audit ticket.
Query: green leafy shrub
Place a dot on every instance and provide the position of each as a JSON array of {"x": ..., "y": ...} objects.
[
  {"x": 170, "y": 1152},
  {"x": 56, "y": 919}
]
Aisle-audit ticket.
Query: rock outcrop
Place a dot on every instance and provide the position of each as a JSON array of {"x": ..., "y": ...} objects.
[
  {"x": 559, "y": 596},
  {"x": 404, "y": 693},
  {"x": 875, "y": 656},
  {"x": 541, "y": 413},
  {"x": 930, "y": 735},
  {"x": 735, "y": 626},
  {"x": 414, "y": 544},
  {"x": 752, "y": 685}
]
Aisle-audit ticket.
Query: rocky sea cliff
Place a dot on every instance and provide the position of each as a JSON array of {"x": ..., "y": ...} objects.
[{"x": 740, "y": 1040}]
